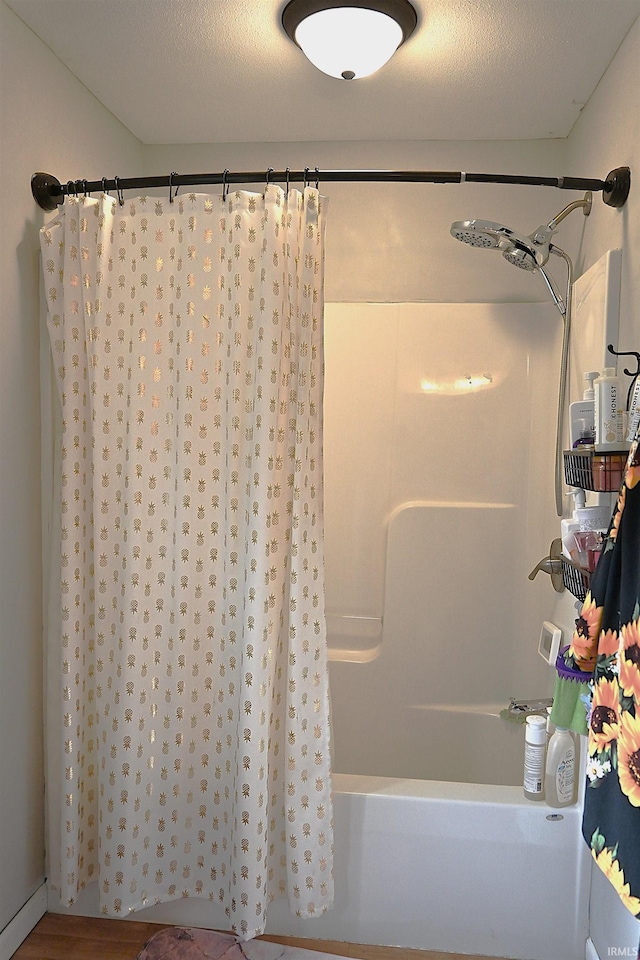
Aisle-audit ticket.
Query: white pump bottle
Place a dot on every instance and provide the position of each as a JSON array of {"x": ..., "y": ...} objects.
[
  {"x": 570, "y": 526},
  {"x": 582, "y": 415}
]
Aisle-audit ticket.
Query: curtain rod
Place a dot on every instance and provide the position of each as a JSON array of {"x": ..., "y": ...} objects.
[{"x": 48, "y": 192}]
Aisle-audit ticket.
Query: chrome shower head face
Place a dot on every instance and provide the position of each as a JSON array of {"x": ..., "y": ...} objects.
[
  {"x": 477, "y": 233},
  {"x": 521, "y": 258}
]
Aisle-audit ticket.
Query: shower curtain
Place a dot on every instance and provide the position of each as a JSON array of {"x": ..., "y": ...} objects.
[{"x": 188, "y": 725}]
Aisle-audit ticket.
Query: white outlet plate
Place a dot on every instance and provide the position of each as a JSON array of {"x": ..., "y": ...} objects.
[{"x": 550, "y": 639}]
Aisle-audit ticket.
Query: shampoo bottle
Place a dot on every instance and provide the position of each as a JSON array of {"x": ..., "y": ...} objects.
[
  {"x": 560, "y": 769},
  {"x": 609, "y": 412},
  {"x": 582, "y": 415},
  {"x": 535, "y": 745}
]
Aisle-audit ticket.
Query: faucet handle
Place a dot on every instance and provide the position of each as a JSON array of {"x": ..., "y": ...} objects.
[{"x": 552, "y": 565}]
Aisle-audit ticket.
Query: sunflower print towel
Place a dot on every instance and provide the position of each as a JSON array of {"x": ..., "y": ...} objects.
[{"x": 606, "y": 643}]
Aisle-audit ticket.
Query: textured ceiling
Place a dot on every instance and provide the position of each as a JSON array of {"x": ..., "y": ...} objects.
[{"x": 216, "y": 71}]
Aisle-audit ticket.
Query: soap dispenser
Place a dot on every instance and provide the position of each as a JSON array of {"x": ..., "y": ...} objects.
[
  {"x": 582, "y": 415},
  {"x": 569, "y": 526}
]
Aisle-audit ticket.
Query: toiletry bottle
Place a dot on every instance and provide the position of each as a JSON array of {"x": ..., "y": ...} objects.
[
  {"x": 535, "y": 744},
  {"x": 560, "y": 769},
  {"x": 609, "y": 411},
  {"x": 633, "y": 416},
  {"x": 593, "y": 517},
  {"x": 570, "y": 526},
  {"x": 582, "y": 415}
]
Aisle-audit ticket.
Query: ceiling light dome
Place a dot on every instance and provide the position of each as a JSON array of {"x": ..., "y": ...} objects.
[{"x": 349, "y": 39}]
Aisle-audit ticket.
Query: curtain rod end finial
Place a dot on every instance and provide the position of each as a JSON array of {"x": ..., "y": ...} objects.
[
  {"x": 617, "y": 187},
  {"x": 46, "y": 190}
]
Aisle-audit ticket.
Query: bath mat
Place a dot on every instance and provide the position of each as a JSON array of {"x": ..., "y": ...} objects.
[{"x": 191, "y": 943}]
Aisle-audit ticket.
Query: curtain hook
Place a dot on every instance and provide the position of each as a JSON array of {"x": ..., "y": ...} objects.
[
  {"x": 116, "y": 180},
  {"x": 306, "y": 177},
  {"x": 172, "y": 196},
  {"x": 71, "y": 189},
  {"x": 268, "y": 176},
  {"x": 317, "y": 179},
  {"x": 104, "y": 186},
  {"x": 84, "y": 187},
  {"x": 225, "y": 185},
  {"x": 288, "y": 172}
]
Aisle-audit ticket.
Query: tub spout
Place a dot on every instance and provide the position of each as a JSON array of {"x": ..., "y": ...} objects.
[{"x": 520, "y": 708}]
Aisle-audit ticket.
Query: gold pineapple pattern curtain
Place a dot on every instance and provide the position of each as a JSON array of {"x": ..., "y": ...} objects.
[{"x": 193, "y": 733}]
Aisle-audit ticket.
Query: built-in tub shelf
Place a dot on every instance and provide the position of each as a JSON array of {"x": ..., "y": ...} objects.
[
  {"x": 592, "y": 470},
  {"x": 576, "y": 579}
]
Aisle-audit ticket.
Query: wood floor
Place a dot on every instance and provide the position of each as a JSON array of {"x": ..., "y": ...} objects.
[{"x": 59, "y": 937}]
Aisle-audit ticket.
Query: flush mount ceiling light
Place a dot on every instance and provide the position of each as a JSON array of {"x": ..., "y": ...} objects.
[{"x": 349, "y": 39}]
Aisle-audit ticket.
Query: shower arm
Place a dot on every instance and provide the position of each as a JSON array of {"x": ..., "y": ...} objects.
[
  {"x": 543, "y": 234},
  {"x": 565, "y": 310},
  {"x": 585, "y": 204}
]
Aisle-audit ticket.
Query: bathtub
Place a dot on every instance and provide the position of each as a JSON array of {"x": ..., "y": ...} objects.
[
  {"x": 470, "y": 868},
  {"x": 461, "y": 867}
]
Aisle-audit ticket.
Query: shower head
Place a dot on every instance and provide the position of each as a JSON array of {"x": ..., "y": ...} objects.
[
  {"x": 527, "y": 253},
  {"x": 477, "y": 233},
  {"x": 522, "y": 257}
]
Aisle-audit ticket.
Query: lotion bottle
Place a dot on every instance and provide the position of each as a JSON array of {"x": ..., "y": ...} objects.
[
  {"x": 535, "y": 745},
  {"x": 609, "y": 412},
  {"x": 560, "y": 769},
  {"x": 582, "y": 415}
]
